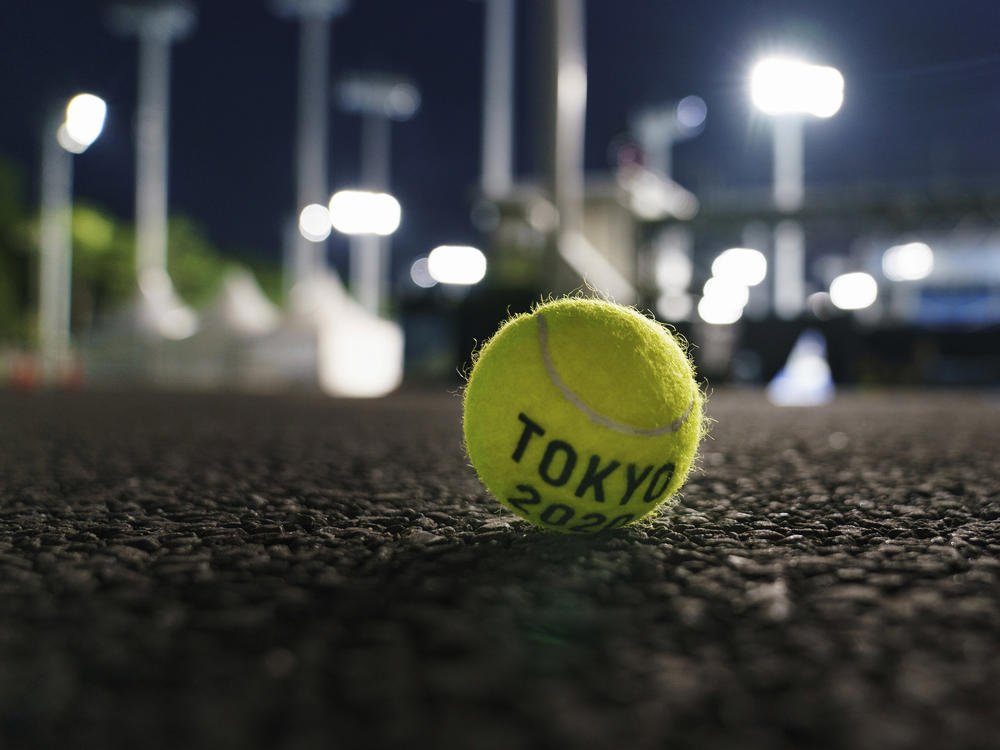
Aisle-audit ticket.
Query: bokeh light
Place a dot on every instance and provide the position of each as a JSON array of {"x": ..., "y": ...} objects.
[
  {"x": 910, "y": 262},
  {"x": 456, "y": 264},
  {"x": 727, "y": 289},
  {"x": 719, "y": 310},
  {"x": 85, "y": 116},
  {"x": 674, "y": 306},
  {"x": 420, "y": 274},
  {"x": 853, "y": 291},
  {"x": 364, "y": 212},
  {"x": 66, "y": 141},
  {"x": 673, "y": 269},
  {"x": 314, "y": 222},
  {"x": 781, "y": 86},
  {"x": 691, "y": 112},
  {"x": 742, "y": 265}
]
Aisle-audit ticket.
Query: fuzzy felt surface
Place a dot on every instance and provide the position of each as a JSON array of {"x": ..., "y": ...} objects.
[{"x": 540, "y": 451}]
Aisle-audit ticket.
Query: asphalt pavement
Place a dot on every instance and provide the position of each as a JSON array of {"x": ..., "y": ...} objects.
[{"x": 240, "y": 571}]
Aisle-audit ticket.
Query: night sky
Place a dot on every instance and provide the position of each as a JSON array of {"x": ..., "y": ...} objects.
[{"x": 922, "y": 101}]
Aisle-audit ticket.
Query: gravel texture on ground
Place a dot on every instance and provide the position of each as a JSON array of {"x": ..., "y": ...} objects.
[{"x": 225, "y": 571}]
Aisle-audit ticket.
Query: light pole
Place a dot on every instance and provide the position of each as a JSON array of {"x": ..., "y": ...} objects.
[
  {"x": 563, "y": 74},
  {"x": 498, "y": 98},
  {"x": 83, "y": 122},
  {"x": 311, "y": 153},
  {"x": 789, "y": 90},
  {"x": 379, "y": 100},
  {"x": 156, "y": 24}
]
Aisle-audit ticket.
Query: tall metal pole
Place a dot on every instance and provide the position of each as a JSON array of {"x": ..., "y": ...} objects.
[
  {"x": 789, "y": 237},
  {"x": 789, "y": 269},
  {"x": 311, "y": 143},
  {"x": 151, "y": 154},
  {"x": 56, "y": 248},
  {"x": 369, "y": 251},
  {"x": 789, "y": 171},
  {"x": 571, "y": 107},
  {"x": 498, "y": 96},
  {"x": 312, "y": 185},
  {"x": 564, "y": 102},
  {"x": 156, "y": 24}
]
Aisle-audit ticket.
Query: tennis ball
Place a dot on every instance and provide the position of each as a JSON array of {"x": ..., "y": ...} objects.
[{"x": 582, "y": 415}]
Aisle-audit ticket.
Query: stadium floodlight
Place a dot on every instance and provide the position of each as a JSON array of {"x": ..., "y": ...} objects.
[
  {"x": 456, "y": 264},
  {"x": 782, "y": 86},
  {"x": 314, "y": 222},
  {"x": 853, "y": 291},
  {"x": 85, "y": 115},
  {"x": 364, "y": 212},
  {"x": 910, "y": 262},
  {"x": 743, "y": 265},
  {"x": 790, "y": 90}
]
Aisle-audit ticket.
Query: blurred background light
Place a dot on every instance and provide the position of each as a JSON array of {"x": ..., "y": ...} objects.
[
  {"x": 178, "y": 323},
  {"x": 728, "y": 290},
  {"x": 360, "y": 355},
  {"x": 85, "y": 115},
  {"x": 853, "y": 291},
  {"x": 820, "y": 306},
  {"x": 364, "y": 212},
  {"x": 404, "y": 100},
  {"x": 162, "y": 312},
  {"x": 674, "y": 306},
  {"x": 542, "y": 215},
  {"x": 691, "y": 112},
  {"x": 653, "y": 198},
  {"x": 241, "y": 308},
  {"x": 910, "y": 262},
  {"x": 420, "y": 274},
  {"x": 785, "y": 86},
  {"x": 456, "y": 264},
  {"x": 742, "y": 265},
  {"x": 631, "y": 226},
  {"x": 719, "y": 310},
  {"x": 805, "y": 380},
  {"x": 672, "y": 269},
  {"x": 314, "y": 222}
]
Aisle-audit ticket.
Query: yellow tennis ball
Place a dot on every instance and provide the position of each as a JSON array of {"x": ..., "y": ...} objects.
[{"x": 582, "y": 415}]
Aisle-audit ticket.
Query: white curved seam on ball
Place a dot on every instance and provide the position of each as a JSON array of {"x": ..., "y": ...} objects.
[{"x": 594, "y": 416}]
